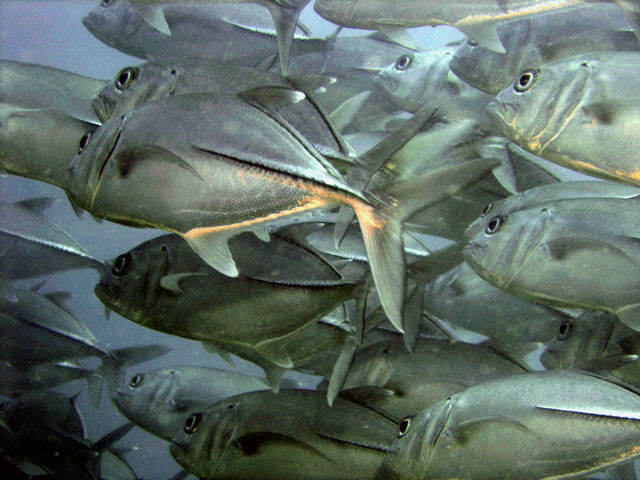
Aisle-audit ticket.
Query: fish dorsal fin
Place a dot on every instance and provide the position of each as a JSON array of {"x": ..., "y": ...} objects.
[
  {"x": 154, "y": 16},
  {"x": 484, "y": 33}
]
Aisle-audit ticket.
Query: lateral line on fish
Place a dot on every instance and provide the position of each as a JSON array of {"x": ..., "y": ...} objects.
[{"x": 550, "y": 5}]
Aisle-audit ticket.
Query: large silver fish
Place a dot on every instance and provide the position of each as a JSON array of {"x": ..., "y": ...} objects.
[
  {"x": 534, "y": 425},
  {"x": 476, "y": 19},
  {"x": 535, "y": 41},
  {"x": 204, "y": 31},
  {"x": 581, "y": 112},
  {"x": 253, "y": 169},
  {"x": 422, "y": 78},
  {"x": 579, "y": 252},
  {"x": 160, "y": 401},
  {"x": 293, "y": 434},
  {"x": 397, "y": 383}
]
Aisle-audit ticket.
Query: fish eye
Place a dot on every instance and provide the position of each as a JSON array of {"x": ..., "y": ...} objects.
[
  {"x": 121, "y": 265},
  {"x": 564, "y": 330},
  {"x": 526, "y": 80},
  {"x": 125, "y": 77},
  {"x": 82, "y": 144},
  {"x": 403, "y": 427},
  {"x": 136, "y": 380},
  {"x": 494, "y": 224},
  {"x": 193, "y": 422},
  {"x": 106, "y": 3},
  {"x": 487, "y": 208},
  {"x": 472, "y": 43},
  {"x": 403, "y": 62}
]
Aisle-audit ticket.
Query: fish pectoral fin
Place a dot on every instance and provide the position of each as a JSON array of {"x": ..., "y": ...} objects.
[
  {"x": 341, "y": 369},
  {"x": 631, "y": 11},
  {"x": 413, "y": 316},
  {"x": 314, "y": 83},
  {"x": 608, "y": 363},
  {"x": 609, "y": 112},
  {"x": 275, "y": 352},
  {"x": 348, "y": 110},
  {"x": 485, "y": 34},
  {"x": 274, "y": 376},
  {"x": 154, "y": 16},
  {"x": 400, "y": 36},
  {"x": 630, "y": 316},
  {"x": 213, "y": 249},
  {"x": 368, "y": 396},
  {"x": 125, "y": 160},
  {"x": 171, "y": 282},
  {"x": 37, "y": 205},
  {"x": 493, "y": 427},
  {"x": 253, "y": 443},
  {"x": 273, "y": 98}
]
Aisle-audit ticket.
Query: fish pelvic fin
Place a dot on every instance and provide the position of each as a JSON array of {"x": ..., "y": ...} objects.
[
  {"x": 212, "y": 247},
  {"x": 154, "y": 16}
]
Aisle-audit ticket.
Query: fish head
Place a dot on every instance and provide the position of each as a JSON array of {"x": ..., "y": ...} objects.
[
  {"x": 412, "y": 452},
  {"x": 534, "y": 109},
  {"x": 95, "y": 148},
  {"x": 132, "y": 86},
  {"x": 113, "y": 21},
  {"x": 502, "y": 250},
  {"x": 150, "y": 400},
  {"x": 205, "y": 439},
  {"x": 480, "y": 67},
  {"x": 131, "y": 285},
  {"x": 415, "y": 79}
]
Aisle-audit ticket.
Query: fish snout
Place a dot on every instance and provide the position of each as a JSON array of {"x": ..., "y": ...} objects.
[
  {"x": 474, "y": 252},
  {"x": 502, "y": 112},
  {"x": 92, "y": 21},
  {"x": 100, "y": 107}
]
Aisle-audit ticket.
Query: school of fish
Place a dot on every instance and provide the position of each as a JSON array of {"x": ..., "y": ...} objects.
[{"x": 427, "y": 248}]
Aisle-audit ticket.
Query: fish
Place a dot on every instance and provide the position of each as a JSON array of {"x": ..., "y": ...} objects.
[
  {"x": 160, "y": 401},
  {"x": 135, "y": 85},
  {"x": 594, "y": 112},
  {"x": 31, "y": 86},
  {"x": 204, "y": 31},
  {"x": 284, "y": 13},
  {"x": 28, "y": 238},
  {"x": 39, "y": 143},
  {"x": 538, "y": 40},
  {"x": 420, "y": 78},
  {"x": 397, "y": 383},
  {"x": 243, "y": 179},
  {"x": 462, "y": 298},
  {"x": 562, "y": 252},
  {"x": 477, "y": 20},
  {"x": 164, "y": 285},
  {"x": 522, "y": 426},
  {"x": 248, "y": 435}
]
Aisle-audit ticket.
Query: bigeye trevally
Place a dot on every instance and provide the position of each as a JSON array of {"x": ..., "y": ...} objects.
[
  {"x": 476, "y": 19},
  {"x": 539, "y": 425},
  {"x": 580, "y": 112}
]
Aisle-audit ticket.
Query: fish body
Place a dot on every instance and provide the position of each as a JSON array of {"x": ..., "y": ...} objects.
[
  {"x": 534, "y": 425},
  {"x": 248, "y": 436},
  {"x": 164, "y": 285},
  {"x": 420, "y": 78},
  {"x": 160, "y": 401},
  {"x": 538, "y": 40},
  {"x": 196, "y": 31},
  {"x": 592, "y": 120},
  {"x": 405, "y": 383},
  {"x": 576, "y": 253}
]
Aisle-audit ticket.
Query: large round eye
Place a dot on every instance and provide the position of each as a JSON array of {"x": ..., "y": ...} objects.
[
  {"x": 494, "y": 224},
  {"x": 403, "y": 427},
  {"x": 564, "y": 330},
  {"x": 121, "y": 265},
  {"x": 106, "y": 3},
  {"x": 402, "y": 63},
  {"x": 487, "y": 208},
  {"x": 526, "y": 80},
  {"x": 136, "y": 380},
  {"x": 193, "y": 422},
  {"x": 82, "y": 144},
  {"x": 125, "y": 77}
]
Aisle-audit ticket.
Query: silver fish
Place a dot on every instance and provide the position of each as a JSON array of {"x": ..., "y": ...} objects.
[
  {"x": 534, "y": 425},
  {"x": 248, "y": 435},
  {"x": 581, "y": 112},
  {"x": 389, "y": 379},
  {"x": 576, "y": 253},
  {"x": 536, "y": 41}
]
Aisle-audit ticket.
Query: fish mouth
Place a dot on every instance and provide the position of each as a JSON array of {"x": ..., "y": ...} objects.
[
  {"x": 102, "y": 106},
  {"x": 473, "y": 252},
  {"x": 92, "y": 22},
  {"x": 502, "y": 112},
  {"x": 383, "y": 83},
  {"x": 107, "y": 294}
]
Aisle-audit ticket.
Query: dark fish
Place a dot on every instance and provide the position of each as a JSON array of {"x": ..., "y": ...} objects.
[
  {"x": 536, "y": 41},
  {"x": 581, "y": 112},
  {"x": 196, "y": 31},
  {"x": 397, "y": 383},
  {"x": 534, "y": 425},
  {"x": 576, "y": 253},
  {"x": 293, "y": 434}
]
